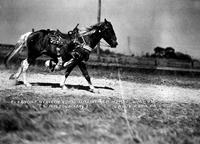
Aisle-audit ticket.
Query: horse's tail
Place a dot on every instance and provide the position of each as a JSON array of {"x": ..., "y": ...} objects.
[{"x": 21, "y": 43}]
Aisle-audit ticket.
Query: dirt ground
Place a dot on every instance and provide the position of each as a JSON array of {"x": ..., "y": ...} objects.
[{"x": 125, "y": 108}]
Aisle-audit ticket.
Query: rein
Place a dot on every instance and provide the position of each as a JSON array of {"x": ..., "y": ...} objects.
[
  {"x": 105, "y": 44},
  {"x": 84, "y": 44}
]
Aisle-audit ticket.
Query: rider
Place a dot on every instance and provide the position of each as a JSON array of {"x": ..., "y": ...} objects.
[
  {"x": 81, "y": 52},
  {"x": 74, "y": 34}
]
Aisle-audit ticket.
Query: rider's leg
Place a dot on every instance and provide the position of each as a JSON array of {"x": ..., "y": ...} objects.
[
  {"x": 85, "y": 73},
  {"x": 69, "y": 67},
  {"x": 77, "y": 57}
]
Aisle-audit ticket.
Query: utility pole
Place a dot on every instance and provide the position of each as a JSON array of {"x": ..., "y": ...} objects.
[
  {"x": 129, "y": 42},
  {"x": 129, "y": 45},
  {"x": 98, "y": 20}
]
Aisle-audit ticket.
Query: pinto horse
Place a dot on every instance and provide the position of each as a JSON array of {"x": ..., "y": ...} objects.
[{"x": 38, "y": 44}]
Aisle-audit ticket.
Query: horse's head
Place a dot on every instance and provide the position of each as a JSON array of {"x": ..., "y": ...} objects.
[{"x": 108, "y": 33}]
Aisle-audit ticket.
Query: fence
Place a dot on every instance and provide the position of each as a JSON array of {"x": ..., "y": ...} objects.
[{"x": 114, "y": 60}]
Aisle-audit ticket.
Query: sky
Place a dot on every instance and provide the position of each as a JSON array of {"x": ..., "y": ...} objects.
[{"x": 148, "y": 23}]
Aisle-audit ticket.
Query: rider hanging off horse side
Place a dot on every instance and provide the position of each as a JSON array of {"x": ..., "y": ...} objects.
[
  {"x": 57, "y": 38},
  {"x": 81, "y": 49}
]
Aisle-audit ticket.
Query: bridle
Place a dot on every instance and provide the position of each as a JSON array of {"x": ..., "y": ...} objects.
[{"x": 99, "y": 28}]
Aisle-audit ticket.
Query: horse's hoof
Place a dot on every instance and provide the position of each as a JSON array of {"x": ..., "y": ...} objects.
[
  {"x": 92, "y": 89},
  {"x": 27, "y": 84},
  {"x": 12, "y": 77},
  {"x": 96, "y": 91},
  {"x": 64, "y": 87}
]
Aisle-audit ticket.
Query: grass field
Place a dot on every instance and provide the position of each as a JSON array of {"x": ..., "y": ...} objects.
[{"x": 129, "y": 105}]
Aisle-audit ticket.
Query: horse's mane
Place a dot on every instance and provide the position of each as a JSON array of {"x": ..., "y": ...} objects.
[
  {"x": 90, "y": 28},
  {"x": 94, "y": 26}
]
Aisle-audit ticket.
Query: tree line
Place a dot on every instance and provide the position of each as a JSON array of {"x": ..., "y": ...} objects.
[{"x": 169, "y": 53}]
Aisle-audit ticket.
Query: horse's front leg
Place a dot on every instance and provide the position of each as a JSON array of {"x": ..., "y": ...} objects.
[{"x": 85, "y": 73}]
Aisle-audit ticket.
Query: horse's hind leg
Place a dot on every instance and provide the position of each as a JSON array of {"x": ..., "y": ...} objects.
[
  {"x": 85, "y": 73},
  {"x": 19, "y": 71},
  {"x": 22, "y": 70},
  {"x": 25, "y": 65}
]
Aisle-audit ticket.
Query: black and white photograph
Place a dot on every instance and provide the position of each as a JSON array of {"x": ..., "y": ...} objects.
[{"x": 99, "y": 71}]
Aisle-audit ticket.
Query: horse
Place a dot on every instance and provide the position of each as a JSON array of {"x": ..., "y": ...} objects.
[{"x": 38, "y": 44}]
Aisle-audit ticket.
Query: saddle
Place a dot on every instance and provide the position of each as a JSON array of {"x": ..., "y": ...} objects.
[{"x": 58, "y": 38}]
